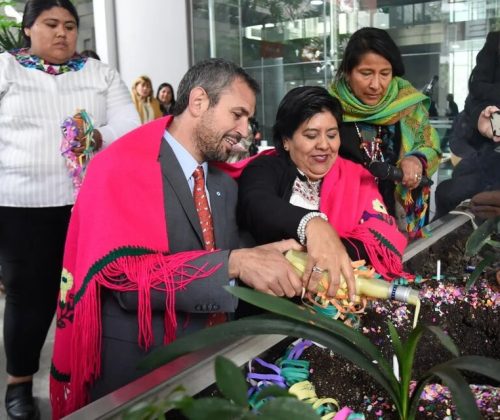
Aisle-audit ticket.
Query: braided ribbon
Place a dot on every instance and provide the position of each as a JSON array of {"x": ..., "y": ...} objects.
[{"x": 77, "y": 131}]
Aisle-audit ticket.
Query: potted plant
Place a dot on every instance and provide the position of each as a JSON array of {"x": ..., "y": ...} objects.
[
  {"x": 297, "y": 321},
  {"x": 10, "y": 30}
]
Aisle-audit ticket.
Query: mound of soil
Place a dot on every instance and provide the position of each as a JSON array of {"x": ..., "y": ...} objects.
[{"x": 471, "y": 319}]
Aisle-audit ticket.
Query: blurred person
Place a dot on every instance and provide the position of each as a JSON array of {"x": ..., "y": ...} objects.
[
  {"x": 40, "y": 86},
  {"x": 474, "y": 154},
  {"x": 90, "y": 54},
  {"x": 452, "y": 110},
  {"x": 386, "y": 119},
  {"x": 146, "y": 104},
  {"x": 306, "y": 192},
  {"x": 166, "y": 97},
  {"x": 138, "y": 276},
  {"x": 475, "y": 173},
  {"x": 484, "y": 90},
  {"x": 247, "y": 146}
]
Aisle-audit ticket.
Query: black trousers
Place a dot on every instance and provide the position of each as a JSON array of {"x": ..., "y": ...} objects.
[{"x": 31, "y": 252}]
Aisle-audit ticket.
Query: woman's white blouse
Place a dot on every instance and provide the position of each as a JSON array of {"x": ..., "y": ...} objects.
[{"x": 33, "y": 105}]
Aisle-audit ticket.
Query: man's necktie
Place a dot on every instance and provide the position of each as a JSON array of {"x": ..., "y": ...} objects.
[
  {"x": 207, "y": 228},
  {"x": 203, "y": 209}
]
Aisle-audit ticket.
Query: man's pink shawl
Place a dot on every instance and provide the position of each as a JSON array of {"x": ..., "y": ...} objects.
[{"x": 117, "y": 238}]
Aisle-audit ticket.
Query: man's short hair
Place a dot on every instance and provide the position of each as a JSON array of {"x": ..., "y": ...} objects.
[{"x": 214, "y": 76}]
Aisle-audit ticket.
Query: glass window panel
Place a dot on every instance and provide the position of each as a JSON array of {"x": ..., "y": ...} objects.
[{"x": 288, "y": 43}]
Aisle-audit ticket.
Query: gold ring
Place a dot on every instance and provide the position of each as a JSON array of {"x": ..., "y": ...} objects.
[
  {"x": 316, "y": 269},
  {"x": 419, "y": 177}
]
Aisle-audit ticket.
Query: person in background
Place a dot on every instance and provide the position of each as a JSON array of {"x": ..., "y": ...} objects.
[
  {"x": 166, "y": 260},
  {"x": 452, "y": 110},
  {"x": 90, "y": 54},
  {"x": 247, "y": 146},
  {"x": 166, "y": 98},
  {"x": 473, "y": 151},
  {"x": 307, "y": 192},
  {"x": 433, "y": 111},
  {"x": 40, "y": 86},
  {"x": 484, "y": 90},
  {"x": 475, "y": 173},
  {"x": 147, "y": 106},
  {"x": 386, "y": 118}
]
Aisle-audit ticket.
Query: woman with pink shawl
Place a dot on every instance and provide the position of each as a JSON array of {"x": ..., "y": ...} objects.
[{"x": 307, "y": 192}]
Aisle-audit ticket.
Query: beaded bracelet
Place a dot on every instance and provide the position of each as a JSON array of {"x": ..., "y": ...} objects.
[{"x": 301, "y": 230}]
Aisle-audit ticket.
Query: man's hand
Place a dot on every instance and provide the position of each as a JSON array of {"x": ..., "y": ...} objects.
[
  {"x": 265, "y": 268},
  {"x": 486, "y": 204},
  {"x": 484, "y": 123}
]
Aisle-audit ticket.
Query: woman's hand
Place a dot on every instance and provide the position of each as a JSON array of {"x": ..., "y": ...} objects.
[
  {"x": 484, "y": 123},
  {"x": 412, "y": 171},
  {"x": 326, "y": 253},
  {"x": 78, "y": 150}
]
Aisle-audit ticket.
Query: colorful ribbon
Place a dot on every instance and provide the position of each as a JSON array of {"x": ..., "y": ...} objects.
[{"x": 77, "y": 131}]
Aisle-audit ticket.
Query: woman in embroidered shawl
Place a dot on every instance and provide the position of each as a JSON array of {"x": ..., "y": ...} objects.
[
  {"x": 307, "y": 192},
  {"x": 386, "y": 118},
  {"x": 40, "y": 86}
]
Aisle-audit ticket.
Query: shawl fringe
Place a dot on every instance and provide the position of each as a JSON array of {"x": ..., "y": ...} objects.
[{"x": 169, "y": 273}]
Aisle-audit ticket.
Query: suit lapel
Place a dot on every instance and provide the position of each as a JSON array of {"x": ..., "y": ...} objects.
[{"x": 173, "y": 174}]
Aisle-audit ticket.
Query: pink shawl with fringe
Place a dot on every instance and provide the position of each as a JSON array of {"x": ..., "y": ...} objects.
[
  {"x": 350, "y": 198},
  {"x": 117, "y": 238}
]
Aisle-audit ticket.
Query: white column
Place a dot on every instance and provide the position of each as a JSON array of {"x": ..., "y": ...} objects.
[
  {"x": 105, "y": 31},
  {"x": 147, "y": 37}
]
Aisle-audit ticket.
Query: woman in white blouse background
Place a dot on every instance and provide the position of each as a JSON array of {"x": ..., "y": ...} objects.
[{"x": 40, "y": 86}]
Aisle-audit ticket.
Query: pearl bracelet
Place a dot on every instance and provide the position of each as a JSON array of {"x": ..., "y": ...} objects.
[{"x": 301, "y": 230}]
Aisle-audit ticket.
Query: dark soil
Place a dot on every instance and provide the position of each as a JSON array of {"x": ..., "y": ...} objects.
[
  {"x": 471, "y": 319},
  {"x": 465, "y": 317}
]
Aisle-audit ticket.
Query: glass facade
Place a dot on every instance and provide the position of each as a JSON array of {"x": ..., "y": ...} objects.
[{"x": 288, "y": 43}]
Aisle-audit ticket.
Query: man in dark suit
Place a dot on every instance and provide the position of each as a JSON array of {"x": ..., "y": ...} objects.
[{"x": 216, "y": 99}]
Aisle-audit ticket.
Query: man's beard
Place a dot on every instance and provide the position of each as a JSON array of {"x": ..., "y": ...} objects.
[{"x": 210, "y": 143}]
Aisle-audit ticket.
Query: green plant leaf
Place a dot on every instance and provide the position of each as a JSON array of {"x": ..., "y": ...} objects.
[
  {"x": 415, "y": 396},
  {"x": 140, "y": 411},
  {"x": 461, "y": 394},
  {"x": 478, "y": 270},
  {"x": 287, "y": 409},
  {"x": 445, "y": 340},
  {"x": 273, "y": 391},
  {"x": 406, "y": 365},
  {"x": 483, "y": 365},
  {"x": 493, "y": 243},
  {"x": 213, "y": 408},
  {"x": 308, "y": 316},
  {"x": 479, "y": 237},
  {"x": 230, "y": 381},
  {"x": 149, "y": 410},
  {"x": 271, "y": 324},
  {"x": 396, "y": 341}
]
